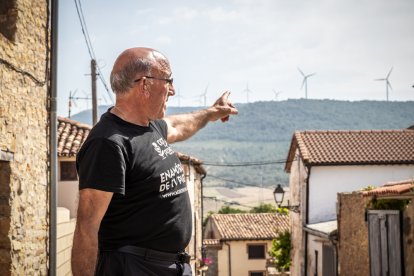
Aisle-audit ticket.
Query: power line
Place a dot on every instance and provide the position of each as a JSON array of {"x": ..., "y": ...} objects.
[
  {"x": 233, "y": 181},
  {"x": 89, "y": 44},
  {"x": 246, "y": 164}
]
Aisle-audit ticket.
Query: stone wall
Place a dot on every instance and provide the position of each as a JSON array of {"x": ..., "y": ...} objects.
[
  {"x": 24, "y": 134},
  {"x": 65, "y": 230},
  {"x": 353, "y": 256},
  {"x": 297, "y": 184}
]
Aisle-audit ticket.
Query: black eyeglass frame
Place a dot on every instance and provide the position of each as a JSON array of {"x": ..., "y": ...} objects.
[{"x": 170, "y": 81}]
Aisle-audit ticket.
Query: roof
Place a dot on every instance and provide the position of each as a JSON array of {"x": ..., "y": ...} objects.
[
  {"x": 392, "y": 188},
  {"x": 262, "y": 226},
  {"x": 71, "y": 135},
  {"x": 324, "y": 229},
  {"x": 362, "y": 147}
]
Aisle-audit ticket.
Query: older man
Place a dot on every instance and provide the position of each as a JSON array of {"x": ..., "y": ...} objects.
[{"x": 134, "y": 211}]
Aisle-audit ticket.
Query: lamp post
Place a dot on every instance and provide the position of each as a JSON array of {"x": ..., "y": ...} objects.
[{"x": 279, "y": 194}]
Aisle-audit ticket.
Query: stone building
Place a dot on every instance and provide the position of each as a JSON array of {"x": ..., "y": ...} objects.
[{"x": 24, "y": 137}]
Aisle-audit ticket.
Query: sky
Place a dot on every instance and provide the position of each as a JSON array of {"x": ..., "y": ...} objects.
[{"x": 252, "y": 48}]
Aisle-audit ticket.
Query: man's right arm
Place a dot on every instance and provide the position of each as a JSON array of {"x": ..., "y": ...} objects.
[{"x": 92, "y": 207}]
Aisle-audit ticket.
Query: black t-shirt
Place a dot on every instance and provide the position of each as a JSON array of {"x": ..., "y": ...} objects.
[{"x": 150, "y": 206}]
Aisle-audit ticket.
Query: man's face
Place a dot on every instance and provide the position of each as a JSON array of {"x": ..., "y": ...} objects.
[{"x": 160, "y": 89}]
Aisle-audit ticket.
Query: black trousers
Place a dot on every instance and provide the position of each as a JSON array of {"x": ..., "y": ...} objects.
[{"x": 114, "y": 263}]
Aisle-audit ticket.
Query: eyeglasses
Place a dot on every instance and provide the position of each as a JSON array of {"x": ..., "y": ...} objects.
[{"x": 169, "y": 80}]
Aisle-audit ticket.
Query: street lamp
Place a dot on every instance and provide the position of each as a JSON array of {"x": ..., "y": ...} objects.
[{"x": 279, "y": 194}]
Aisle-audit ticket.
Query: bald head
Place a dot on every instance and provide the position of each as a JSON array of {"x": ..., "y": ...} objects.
[{"x": 132, "y": 63}]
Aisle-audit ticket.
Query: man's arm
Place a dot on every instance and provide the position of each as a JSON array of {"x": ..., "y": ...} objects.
[
  {"x": 92, "y": 207},
  {"x": 183, "y": 126}
]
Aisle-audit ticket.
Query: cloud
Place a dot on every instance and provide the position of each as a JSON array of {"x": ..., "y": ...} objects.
[
  {"x": 218, "y": 14},
  {"x": 164, "y": 40}
]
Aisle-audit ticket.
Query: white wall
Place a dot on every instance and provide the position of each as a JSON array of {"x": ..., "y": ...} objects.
[{"x": 326, "y": 181}]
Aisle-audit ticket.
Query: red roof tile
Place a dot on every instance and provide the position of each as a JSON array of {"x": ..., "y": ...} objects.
[
  {"x": 260, "y": 226},
  {"x": 392, "y": 188},
  {"x": 71, "y": 135},
  {"x": 353, "y": 147}
]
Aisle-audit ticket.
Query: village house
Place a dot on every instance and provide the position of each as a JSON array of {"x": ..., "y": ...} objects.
[
  {"x": 376, "y": 231},
  {"x": 324, "y": 163},
  {"x": 71, "y": 135},
  {"x": 238, "y": 244},
  {"x": 24, "y": 137}
]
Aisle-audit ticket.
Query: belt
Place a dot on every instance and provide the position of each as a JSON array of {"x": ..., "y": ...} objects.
[{"x": 182, "y": 257}]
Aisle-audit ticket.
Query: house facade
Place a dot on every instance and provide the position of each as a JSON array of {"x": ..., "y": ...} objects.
[
  {"x": 71, "y": 135},
  {"x": 24, "y": 137},
  {"x": 238, "y": 244},
  {"x": 324, "y": 163}
]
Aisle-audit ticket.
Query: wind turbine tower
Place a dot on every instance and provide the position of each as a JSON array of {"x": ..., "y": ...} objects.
[
  {"x": 305, "y": 81},
  {"x": 387, "y": 82},
  {"x": 247, "y": 91},
  {"x": 203, "y": 97}
]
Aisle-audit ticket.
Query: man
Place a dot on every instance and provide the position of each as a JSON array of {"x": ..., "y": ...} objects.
[{"x": 133, "y": 200}]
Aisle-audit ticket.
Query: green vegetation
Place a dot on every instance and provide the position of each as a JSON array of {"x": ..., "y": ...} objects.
[
  {"x": 388, "y": 204},
  {"x": 264, "y": 208},
  {"x": 280, "y": 251}
]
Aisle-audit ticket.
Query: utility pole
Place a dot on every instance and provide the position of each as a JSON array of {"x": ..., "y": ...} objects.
[{"x": 94, "y": 97}]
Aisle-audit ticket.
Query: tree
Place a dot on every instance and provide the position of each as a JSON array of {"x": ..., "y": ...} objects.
[
  {"x": 280, "y": 250},
  {"x": 230, "y": 210},
  {"x": 264, "y": 208}
]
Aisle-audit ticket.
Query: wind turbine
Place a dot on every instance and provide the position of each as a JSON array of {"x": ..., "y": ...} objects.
[
  {"x": 203, "y": 97},
  {"x": 178, "y": 97},
  {"x": 387, "y": 82},
  {"x": 276, "y": 93},
  {"x": 305, "y": 81},
  {"x": 247, "y": 91}
]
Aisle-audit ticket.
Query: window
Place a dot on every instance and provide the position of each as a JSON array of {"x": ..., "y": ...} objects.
[
  {"x": 8, "y": 17},
  {"x": 68, "y": 171},
  {"x": 256, "y": 251},
  {"x": 256, "y": 273}
]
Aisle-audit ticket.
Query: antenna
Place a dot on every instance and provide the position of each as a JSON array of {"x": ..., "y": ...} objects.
[
  {"x": 247, "y": 91},
  {"x": 387, "y": 82},
  {"x": 72, "y": 100},
  {"x": 305, "y": 81},
  {"x": 276, "y": 94}
]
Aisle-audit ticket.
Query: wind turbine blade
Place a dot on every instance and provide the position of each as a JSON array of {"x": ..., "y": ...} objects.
[
  {"x": 380, "y": 79},
  {"x": 389, "y": 73},
  {"x": 301, "y": 72},
  {"x": 389, "y": 84},
  {"x": 310, "y": 75}
]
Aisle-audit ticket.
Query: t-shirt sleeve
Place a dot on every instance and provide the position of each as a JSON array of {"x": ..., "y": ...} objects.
[
  {"x": 162, "y": 127},
  {"x": 101, "y": 165}
]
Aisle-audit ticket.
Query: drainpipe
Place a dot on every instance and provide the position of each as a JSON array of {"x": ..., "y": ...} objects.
[
  {"x": 228, "y": 245},
  {"x": 202, "y": 219},
  {"x": 53, "y": 138},
  {"x": 306, "y": 220}
]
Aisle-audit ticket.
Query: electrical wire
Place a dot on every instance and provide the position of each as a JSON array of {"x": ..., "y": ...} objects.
[
  {"x": 233, "y": 181},
  {"x": 247, "y": 164},
  {"x": 89, "y": 45}
]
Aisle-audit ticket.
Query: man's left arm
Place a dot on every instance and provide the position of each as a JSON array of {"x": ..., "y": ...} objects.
[{"x": 183, "y": 126}]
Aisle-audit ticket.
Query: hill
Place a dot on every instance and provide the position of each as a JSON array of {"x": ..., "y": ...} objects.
[{"x": 262, "y": 132}]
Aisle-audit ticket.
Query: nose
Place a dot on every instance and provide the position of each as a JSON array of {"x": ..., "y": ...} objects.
[{"x": 171, "y": 90}]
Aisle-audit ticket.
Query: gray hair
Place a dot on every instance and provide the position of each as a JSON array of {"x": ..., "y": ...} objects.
[{"x": 123, "y": 80}]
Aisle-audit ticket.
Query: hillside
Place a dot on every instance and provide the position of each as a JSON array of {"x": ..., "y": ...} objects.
[{"x": 262, "y": 132}]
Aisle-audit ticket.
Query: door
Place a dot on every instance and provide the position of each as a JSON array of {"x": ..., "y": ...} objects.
[{"x": 384, "y": 230}]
